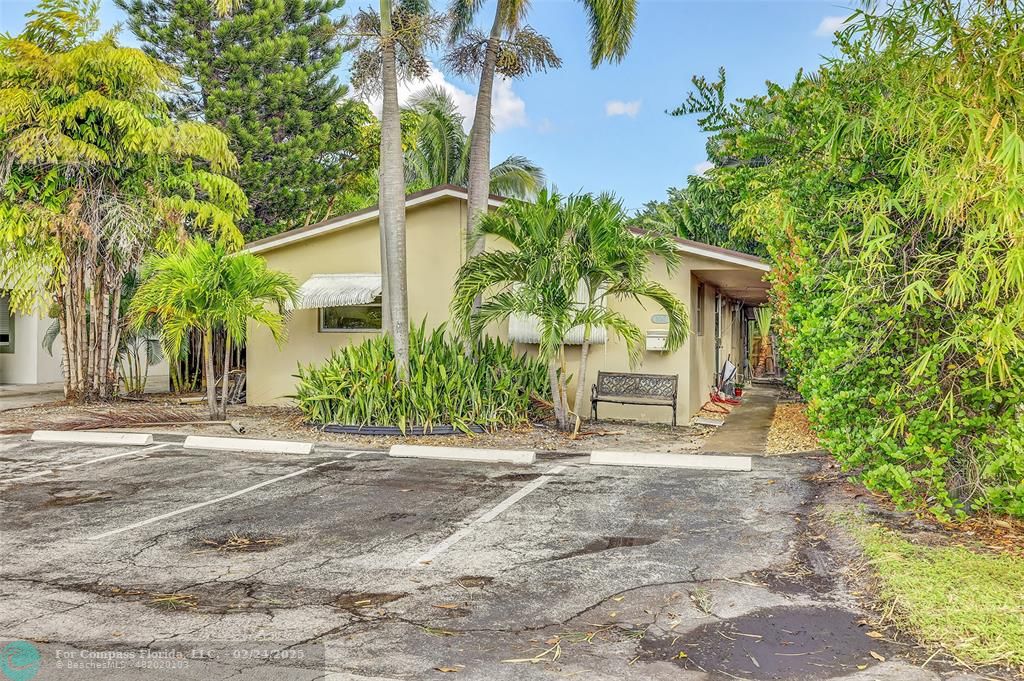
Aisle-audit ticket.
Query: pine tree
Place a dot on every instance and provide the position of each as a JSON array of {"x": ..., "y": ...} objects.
[{"x": 264, "y": 75}]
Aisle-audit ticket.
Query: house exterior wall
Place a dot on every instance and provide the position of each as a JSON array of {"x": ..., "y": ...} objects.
[
  {"x": 435, "y": 252},
  {"x": 30, "y": 364},
  {"x": 435, "y": 249},
  {"x": 694, "y": 362}
]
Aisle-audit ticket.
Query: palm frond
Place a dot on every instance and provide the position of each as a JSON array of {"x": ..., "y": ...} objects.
[
  {"x": 517, "y": 177},
  {"x": 611, "y": 28}
]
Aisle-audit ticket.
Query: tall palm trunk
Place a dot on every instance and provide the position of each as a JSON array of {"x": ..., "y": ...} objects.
[
  {"x": 385, "y": 294},
  {"x": 227, "y": 375},
  {"x": 392, "y": 197},
  {"x": 479, "y": 180},
  {"x": 211, "y": 383}
]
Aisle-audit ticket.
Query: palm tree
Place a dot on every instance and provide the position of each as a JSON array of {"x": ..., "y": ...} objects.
[
  {"x": 561, "y": 246},
  {"x": 513, "y": 49},
  {"x": 203, "y": 288},
  {"x": 394, "y": 40},
  {"x": 438, "y": 152},
  {"x": 614, "y": 263},
  {"x": 138, "y": 349}
]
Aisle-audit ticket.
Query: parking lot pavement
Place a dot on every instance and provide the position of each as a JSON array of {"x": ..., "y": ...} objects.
[{"x": 349, "y": 564}]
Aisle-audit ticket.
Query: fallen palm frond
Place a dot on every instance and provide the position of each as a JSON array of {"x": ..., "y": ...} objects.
[
  {"x": 113, "y": 417},
  {"x": 174, "y": 601},
  {"x": 240, "y": 543}
]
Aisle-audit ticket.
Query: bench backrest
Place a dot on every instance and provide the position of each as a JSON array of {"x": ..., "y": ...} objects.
[{"x": 637, "y": 385}]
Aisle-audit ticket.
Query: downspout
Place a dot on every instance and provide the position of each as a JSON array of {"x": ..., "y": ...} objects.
[{"x": 718, "y": 336}]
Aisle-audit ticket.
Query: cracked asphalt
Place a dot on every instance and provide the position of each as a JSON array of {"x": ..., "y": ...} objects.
[{"x": 137, "y": 566}]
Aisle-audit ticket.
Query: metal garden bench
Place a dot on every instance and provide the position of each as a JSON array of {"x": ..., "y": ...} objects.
[{"x": 626, "y": 388}]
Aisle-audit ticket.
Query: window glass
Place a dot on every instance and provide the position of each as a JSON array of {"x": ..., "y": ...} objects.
[
  {"x": 352, "y": 317},
  {"x": 6, "y": 323}
]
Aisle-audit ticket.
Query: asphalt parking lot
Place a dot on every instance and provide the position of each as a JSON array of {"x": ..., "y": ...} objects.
[{"x": 165, "y": 563}]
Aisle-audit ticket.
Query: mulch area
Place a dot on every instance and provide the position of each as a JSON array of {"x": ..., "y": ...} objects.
[
  {"x": 287, "y": 423},
  {"x": 997, "y": 533},
  {"x": 791, "y": 431}
]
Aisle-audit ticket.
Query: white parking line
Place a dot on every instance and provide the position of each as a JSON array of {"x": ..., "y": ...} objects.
[
  {"x": 352, "y": 455},
  {"x": 447, "y": 543},
  {"x": 84, "y": 463},
  {"x": 193, "y": 507}
]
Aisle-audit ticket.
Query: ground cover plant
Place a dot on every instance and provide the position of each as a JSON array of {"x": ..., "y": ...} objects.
[
  {"x": 491, "y": 386},
  {"x": 969, "y": 602}
]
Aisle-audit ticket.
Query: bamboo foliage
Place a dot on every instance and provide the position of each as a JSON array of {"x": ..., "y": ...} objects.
[
  {"x": 887, "y": 188},
  {"x": 92, "y": 170}
]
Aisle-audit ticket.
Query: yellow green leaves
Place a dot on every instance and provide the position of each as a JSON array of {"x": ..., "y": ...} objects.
[
  {"x": 357, "y": 386},
  {"x": 899, "y": 283},
  {"x": 95, "y": 164}
]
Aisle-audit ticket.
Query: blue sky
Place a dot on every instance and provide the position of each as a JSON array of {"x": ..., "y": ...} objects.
[{"x": 607, "y": 129}]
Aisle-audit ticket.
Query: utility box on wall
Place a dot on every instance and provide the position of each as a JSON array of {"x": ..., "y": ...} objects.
[{"x": 657, "y": 340}]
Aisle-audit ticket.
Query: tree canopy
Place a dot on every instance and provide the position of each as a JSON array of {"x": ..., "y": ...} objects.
[
  {"x": 264, "y": 75},
  {"x": 93, "y": 171},
  {"x": 437, "y": 151}
]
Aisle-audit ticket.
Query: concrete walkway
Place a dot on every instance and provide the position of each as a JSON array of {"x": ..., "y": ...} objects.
[
  {"x": 746, "y": 429},
  {"x": 13, "y": 396}
]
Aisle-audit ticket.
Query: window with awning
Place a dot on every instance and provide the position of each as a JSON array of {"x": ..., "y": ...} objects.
[{"x": 338, "y": 290}]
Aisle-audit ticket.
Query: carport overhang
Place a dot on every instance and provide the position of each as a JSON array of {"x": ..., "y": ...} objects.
[
  {"x": 738, "y": 275},
  {"x": 745, "y": 285}
]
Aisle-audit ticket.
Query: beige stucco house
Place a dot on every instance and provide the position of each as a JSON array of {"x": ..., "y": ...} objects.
[{"x": 337, "y": 263}]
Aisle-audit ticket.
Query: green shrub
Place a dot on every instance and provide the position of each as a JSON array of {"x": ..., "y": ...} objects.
[
  {"x": 887, "y": 188},
  {"x": 357, "y": 385},
  {"x": 910, "y": 440}
]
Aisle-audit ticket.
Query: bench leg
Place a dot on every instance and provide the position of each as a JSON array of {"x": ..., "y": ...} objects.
[
  {"x": 673, "y": 415},
  {"x": 593, "y": 409}
]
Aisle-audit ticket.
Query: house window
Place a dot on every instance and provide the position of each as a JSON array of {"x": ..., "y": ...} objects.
[
  {"x": 698, "y": 311},
  {"x": 367, "y": 317},
  {"x": 6, "y": 325}
]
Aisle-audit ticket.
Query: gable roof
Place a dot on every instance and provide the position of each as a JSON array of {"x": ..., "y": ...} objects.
[
  {"x": 704, "y": 250},
  {"x": 360, "y": 216},
  {"x": 723, "y": 254},
  {"x": 455, "y": 192}
]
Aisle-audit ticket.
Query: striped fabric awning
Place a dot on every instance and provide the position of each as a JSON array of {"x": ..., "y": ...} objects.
[
  {"x": 337, "y": 290},
  {"x": 525, "y": 328}
]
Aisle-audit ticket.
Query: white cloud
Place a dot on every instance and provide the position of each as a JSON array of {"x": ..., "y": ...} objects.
[
  {"x": 508, "y": 110},
  {"x": 702, "y": 168},
  {"x": 545, "y": 126},
  {"x": 617, "y": 107},
  {"x": 829, "y": 25}
]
